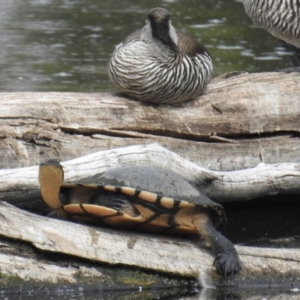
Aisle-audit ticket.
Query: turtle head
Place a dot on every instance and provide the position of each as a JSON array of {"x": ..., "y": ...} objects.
[{"x": 51, "y": 177}]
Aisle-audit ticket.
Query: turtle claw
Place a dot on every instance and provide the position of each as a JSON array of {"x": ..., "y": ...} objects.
[{"x": 227, "y": 264}]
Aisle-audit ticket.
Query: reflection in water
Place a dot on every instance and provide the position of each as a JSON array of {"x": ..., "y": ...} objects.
[
  {"x": 65, "y": 45},
  {"x": 243, "y": 294},
  {"x": 162, "y": 294}
]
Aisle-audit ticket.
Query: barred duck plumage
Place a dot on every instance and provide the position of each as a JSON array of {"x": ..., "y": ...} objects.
[
  {"x": 280, "y": 17},
  {"x": 160, "y": 64}
]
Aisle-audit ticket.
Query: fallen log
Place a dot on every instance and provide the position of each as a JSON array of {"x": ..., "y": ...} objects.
[
  {"x": 263, "y": 266},
  {"x": 26, "y": 270},
  {"x": 240, "y": 121},
  {"x": 18, "y": 185},
  {"x": 237, "y": 124}
]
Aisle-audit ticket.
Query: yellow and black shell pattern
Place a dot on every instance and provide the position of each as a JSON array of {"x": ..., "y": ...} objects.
[{"x": 143, "y": 198}]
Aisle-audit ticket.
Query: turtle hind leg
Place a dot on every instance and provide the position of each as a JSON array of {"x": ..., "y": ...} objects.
[
  {"x": 114, "y": 201},
  {"x": 227, "y": 261}
]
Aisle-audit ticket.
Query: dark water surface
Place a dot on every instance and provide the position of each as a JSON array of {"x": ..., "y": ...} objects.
[{"x": 65, "y": 45}]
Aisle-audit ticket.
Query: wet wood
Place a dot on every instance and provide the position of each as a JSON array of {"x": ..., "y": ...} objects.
[
  {"x": 149, "y": 252},
  {"x": 264, "y": 179},
  {"x": 25, "y": 269},
  {"x": 30, "y": 267},
  {"x": 241, "y": 120}
]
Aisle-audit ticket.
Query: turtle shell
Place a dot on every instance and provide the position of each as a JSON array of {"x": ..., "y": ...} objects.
[{"x": 141, "y": 197}]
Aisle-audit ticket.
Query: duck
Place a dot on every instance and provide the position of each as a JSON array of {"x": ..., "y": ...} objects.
[
  {"x": 160, "y": 64},
  {"x": 279, "y": 17}
]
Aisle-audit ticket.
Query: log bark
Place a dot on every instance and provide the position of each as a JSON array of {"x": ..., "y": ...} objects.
[
  {"x": 26, "y": 270},
  {"x": 247, "y": 124},
  {"x": 262, "y": 266},
  {"x": 17, "y": 185},
  {"x": 240, "y": 121}
]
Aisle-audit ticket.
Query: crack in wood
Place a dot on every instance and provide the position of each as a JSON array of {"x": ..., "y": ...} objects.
[{"x": 145, "y": 133}]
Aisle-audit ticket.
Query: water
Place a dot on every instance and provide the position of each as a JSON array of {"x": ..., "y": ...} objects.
[{"x": 65, "y": 45}]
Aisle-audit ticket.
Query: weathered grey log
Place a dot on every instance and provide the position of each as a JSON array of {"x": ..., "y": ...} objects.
[
  {"x": 237, "y": 124},
  {"x": 32, "y": 269},
  {"x": 240, "y": 121},
  {"x": 151, "y": 252},
  {"x": 162, "y": 254},
  {"x": 240, "y": 185},
  {"x": 27, "y": 270}
]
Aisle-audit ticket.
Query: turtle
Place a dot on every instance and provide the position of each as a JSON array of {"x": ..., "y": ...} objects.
[{"x": 143, "y": 198}]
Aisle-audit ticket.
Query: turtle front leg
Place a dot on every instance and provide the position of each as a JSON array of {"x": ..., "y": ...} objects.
[{"x": 227, "y": 261}]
